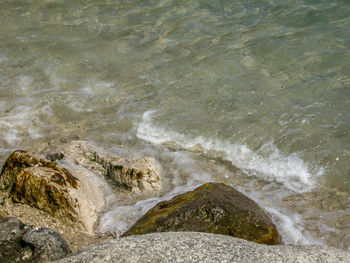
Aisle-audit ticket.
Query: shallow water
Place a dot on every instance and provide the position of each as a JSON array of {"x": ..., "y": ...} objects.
[{"x": 252, "y": 93}]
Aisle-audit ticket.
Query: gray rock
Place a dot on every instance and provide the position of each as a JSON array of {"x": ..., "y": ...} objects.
[
  {"x": 46, "y": 243},
  {"x": 201, "y": 247},
  {"x": 20, "y": 243},
  {"x": 11, "y": 251},
  {"x": 12, "y": 229},
  {"x": 12, "y": 248}
]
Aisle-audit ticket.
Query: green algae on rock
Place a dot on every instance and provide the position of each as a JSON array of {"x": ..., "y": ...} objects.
[{"x": 212, "y": 208}]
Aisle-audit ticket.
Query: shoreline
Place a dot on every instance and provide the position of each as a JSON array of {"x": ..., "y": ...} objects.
[{"x": 286, "y": 212}]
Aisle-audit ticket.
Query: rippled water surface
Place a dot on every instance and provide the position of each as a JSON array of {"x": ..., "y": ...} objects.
[{"x": 252, "y": 93}]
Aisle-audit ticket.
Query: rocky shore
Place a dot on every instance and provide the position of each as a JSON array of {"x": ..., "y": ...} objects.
[{"x": 50, "y": 207}]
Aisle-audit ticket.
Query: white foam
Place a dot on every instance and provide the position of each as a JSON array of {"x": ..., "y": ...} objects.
[
  {"x": 24, "y": 84},
  {"x": 93, "y": 88},
  {"x": 121, "y": 218},
  {"x": 19, "y": 122},
  {"x": 291, "y": 228},
  {"x": 267, "y": 163},
  {"x": 55, "y": 80},
  {"x": 184, "y": 169},
  {"x": 3, "y": 58},
  {"x": 9, "y": 133}
]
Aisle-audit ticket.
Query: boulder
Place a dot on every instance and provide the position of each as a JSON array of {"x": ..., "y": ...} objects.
[
  {"x": 142, "y": 175},
  {"x": 47, "y": 190},
  {"x": 12, "y": 229},
  {"x": 21, "y": 243},
  {"x": 201, "y": 247},
  {"x": 20, "y": 160},
  {"x": 46, "y": 244},
  {"x": 49, "y": 187},
  {"x": 11, "y": 247},
  {"x": 213, "y": 208}
]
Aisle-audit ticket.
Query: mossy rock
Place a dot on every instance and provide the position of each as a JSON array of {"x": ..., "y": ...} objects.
[{"x": 212, "y": 208}]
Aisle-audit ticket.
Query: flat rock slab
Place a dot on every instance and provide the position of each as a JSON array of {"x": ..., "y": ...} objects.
[{"x": 201, "y": 247}]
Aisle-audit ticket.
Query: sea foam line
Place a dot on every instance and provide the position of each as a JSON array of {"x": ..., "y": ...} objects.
[{"x": 291, "y": 171}]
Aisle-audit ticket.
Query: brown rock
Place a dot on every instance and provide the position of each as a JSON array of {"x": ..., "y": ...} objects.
[
  {"x": 213, "y": 208},
  {"x": 45, "y": 185},
  {"x": 19, "y": 160},
  {"x": 47, "y": 190}
]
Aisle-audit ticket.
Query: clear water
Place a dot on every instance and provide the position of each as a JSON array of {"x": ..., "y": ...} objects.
[{"x": 252, "y": 93}]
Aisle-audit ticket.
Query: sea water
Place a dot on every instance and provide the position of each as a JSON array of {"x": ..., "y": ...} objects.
[{"x": 251, "y": 93}]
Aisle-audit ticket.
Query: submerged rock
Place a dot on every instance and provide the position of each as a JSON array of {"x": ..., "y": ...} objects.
[
  {"x": 213, "y": 208},
  {"x": 47, "y": 186},
  {"x": 21, "y": 243},
  {"x": 140, "y": 175}
]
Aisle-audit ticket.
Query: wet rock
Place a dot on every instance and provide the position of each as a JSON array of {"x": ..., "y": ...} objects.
[
  {"x": 213, "y": 208},
  {"x": 46, "y": 243},
  {"x": 12, "y": 229},
  {"x": 138, "y": 175},
  {"x": 20, "y": 160},
  {"x": 47, "y": 186},
  {"x": 12, "y": 248},
  {"x": 12, "y": 251},
  {"x": 47, "y": 190},
  {"x": 21, "y": 243}
]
